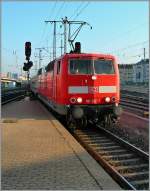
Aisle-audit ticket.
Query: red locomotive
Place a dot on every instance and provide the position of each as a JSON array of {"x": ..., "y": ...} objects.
[{"x": 80, "y": 86}]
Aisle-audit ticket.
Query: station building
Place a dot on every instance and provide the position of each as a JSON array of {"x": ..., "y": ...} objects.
[
  {"x": 136, "y": 73},
  {"x": 141, "y": 71}
]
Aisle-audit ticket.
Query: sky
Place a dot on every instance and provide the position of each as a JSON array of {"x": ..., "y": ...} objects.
[{"x": 118, "y": 27}]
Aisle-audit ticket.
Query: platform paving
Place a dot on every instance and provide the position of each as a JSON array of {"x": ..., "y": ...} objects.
[{"x": 38, "y": 153}]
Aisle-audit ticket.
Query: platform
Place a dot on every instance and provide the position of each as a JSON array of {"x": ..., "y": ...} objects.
[{"x": 38, "y": 153}]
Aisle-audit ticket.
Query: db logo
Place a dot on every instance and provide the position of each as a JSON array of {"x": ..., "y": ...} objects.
[{"x": 93, "y": 90}]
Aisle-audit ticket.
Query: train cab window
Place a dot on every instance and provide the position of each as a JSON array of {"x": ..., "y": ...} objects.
[
  {"x": 50, "y": 66},
  {"x": 79, "y": 66},
  {"x": 43, "y": 70},
  {"x": 58, "y": 67},
  {"x": 40, "y": 71},
  {"x": 103, "y": 67}
]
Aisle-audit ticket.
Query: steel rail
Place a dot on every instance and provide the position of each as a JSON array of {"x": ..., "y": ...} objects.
[
  {"x": 12, "y": 99},
  {"x": 139, "y": 107},
  {"x": 124, "y": 100},
  {"x": 115, "y": 164}
]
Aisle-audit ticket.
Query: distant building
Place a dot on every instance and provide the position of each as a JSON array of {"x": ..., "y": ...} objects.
[
  {"x": 126, "y": 73},
  {"x": 22, "y": 78},
  {"x": 137, "y": 73},
  {"x": 141, "y": 71},
  {"x": 14, "y": 76},
  {"x": 8, "y": 74}
]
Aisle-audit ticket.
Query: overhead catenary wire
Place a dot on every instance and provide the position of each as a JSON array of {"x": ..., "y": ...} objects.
[
  {"x": 52, "y": 10},
  {"x": 59, "y": 10},
  {"x": 130, "y": 46},
  {"x": 63, "y": 5},
  {"x": 122, "y": 35},
  {"x": 76, "y": 10},
  {"x": 127, "y": 58},
  {"x": 133, "y": 56},
  {"x": 81, "y": 10},
  {"x": 73, "y": 13},
  {"x": 51, "y": 15},
  {"x": 57, "y": 15},
  {"x": 46, "y": 35}
]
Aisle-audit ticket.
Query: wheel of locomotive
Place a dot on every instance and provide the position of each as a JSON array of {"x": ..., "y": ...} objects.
[
  {"x": 70, "y": 122},
  {"x": 82, "y": 123},
  {"x": 108, "y": 120}
]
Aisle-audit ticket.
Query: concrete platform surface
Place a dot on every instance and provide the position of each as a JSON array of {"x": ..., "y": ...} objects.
[{"x": 38, "y": 153}]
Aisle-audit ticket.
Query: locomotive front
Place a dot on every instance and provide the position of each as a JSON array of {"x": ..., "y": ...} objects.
[{"x": 93, "y": 90}]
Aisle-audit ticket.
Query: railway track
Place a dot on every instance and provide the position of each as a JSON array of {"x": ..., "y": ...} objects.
[
  {"x": 140, "y": 93},
  {"x": 12, "y": 94},
  {"x": 135, "y": 104},
  {"x": 128, "y": 165},
  {"x": 142, "y": 99},
  {"x": 12, "y": 99}
]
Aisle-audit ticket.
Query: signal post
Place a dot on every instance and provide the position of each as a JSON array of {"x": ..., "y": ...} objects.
[{"x": 29, "y": 63}]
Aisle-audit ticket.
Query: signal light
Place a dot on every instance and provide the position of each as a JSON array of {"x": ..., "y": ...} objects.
[
  {"x": 28, "y": 50},
  {"x": 77, "y": 47},
  {"x": 27, "y": 66},
  {"x": 30, "y": 64}
]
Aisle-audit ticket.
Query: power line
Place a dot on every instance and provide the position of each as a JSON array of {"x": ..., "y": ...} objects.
[
  {"x": 124, "y": 33},
  {"x": 45, "y": 26},
  {"x": 79, "y": 6},
  {"x": 56, "y": 15},
  {"x": 40, "y": 56},
  {"x": 140, "y": 55},
  {"x": 82, "y": 9},
  {"x": 59, "y": 11},
  {"x": 130, "y": 46},
  {"x": 53, "y": 9},
  {"x": 43, "y": 34}
]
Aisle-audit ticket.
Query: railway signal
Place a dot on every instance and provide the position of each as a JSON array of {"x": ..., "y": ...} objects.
[
  {"x": 77, "y": 47},
  {"x": 28, "y": 50},
  {"x": 27, "y": 65}
]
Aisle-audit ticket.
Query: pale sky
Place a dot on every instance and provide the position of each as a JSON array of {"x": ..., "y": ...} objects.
[{"x": 118, "y": 28}]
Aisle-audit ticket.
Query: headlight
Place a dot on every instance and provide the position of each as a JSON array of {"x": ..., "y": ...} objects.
[
  {"x": 79, "y": 99},
  {"x": 113, "y": 99},
  {"x": 73, "y": 100},
  {"x": 107, "y": 99},
  {"x": 94, "y": 77}
]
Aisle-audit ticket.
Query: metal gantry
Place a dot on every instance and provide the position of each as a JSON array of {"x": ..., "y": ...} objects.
[{"x": 71, "y": 37}]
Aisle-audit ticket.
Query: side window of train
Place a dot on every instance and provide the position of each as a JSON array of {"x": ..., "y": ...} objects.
[
  {"x": 58, "y": 67},
  {"x": 50, "y": 67}
]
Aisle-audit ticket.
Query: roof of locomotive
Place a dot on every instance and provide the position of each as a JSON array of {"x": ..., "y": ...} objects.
[{"x": 92, "y": 55}]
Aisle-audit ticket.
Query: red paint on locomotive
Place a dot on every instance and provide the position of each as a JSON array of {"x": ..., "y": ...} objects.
[{"x": 80, "y": 79}]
